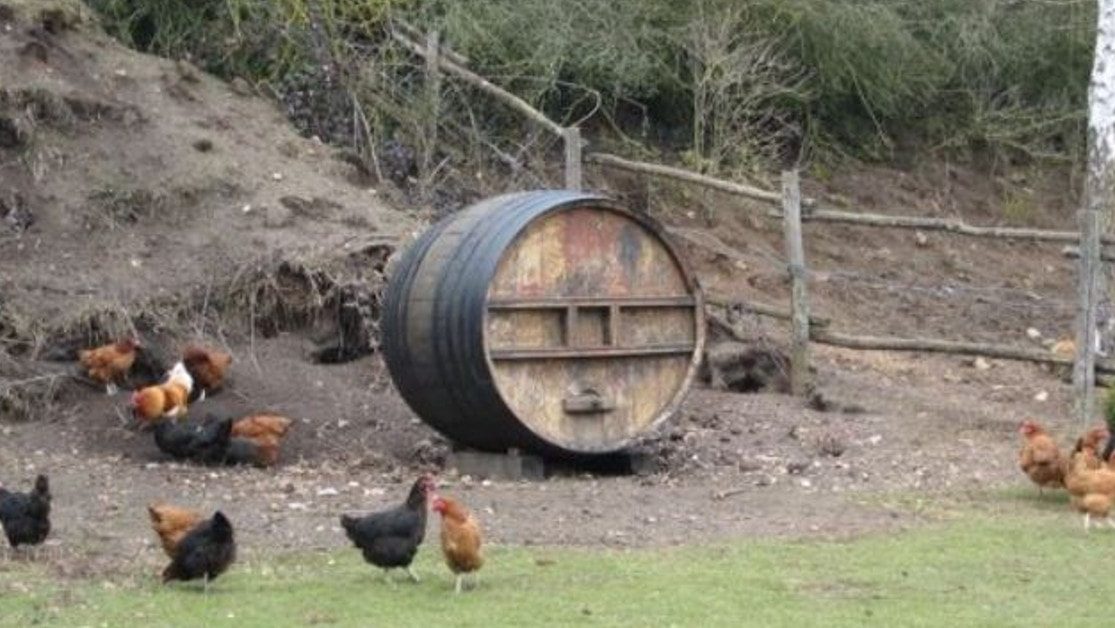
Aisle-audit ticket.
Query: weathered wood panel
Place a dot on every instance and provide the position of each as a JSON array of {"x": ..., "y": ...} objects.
[{"x": 629, "y": 323}]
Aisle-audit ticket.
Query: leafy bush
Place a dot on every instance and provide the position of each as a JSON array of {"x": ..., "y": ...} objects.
[{"x": 859, "y": 77}]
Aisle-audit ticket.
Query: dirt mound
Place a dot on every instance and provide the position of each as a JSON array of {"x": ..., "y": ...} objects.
[{"x": 128, "y": 180}]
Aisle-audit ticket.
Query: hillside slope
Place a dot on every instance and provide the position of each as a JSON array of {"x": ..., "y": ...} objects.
[{"x": 126, "y": 178}]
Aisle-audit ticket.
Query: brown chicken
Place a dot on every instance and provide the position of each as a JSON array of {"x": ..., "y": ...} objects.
[
  {"x": 1093, "y": 439},
  {"x": 169, "y": 399},
  {"x": 1065, "y": 348},
  {"x": 172, "y": 524},
  {"x": 460, "y": 538},
  {"x": 266, "y": 431},
  {"x": 1092, "y": 487},
  {"x": 110, "y": 363},
  {"x": 207, "y": 366},
  {"x": 1040, "y": 458}
]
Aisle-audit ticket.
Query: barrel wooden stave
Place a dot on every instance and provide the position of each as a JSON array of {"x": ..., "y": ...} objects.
[{"x": 499, "y": 316}]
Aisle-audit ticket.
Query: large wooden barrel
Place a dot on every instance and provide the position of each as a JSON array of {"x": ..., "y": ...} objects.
[{"x": 549, "y": 321}]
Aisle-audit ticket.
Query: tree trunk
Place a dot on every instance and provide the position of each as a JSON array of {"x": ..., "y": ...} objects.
[{"x": 1097, "y": 199}]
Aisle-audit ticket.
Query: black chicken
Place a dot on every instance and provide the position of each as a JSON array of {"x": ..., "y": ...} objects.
[
  {"x": 210, "y": 446},
  {"x": 26, "y": 516},
  {"x": 390, "y": 539},
  {"x": 206, "y": 552},
  {"x": 242, "y": 451},
  {"x": 210, "y": 442},
  {"x": 176, "y": 439}
]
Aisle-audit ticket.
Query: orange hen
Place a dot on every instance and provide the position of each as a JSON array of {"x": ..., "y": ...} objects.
[
  {"x": 267, "y": 431},
  {"x": 207, "y": 366},
  {"x": 169, "y": 399},
  {"x": 109, "y": 363},
  {"x": 460, "y": 538},
  {"x": 1093, "y": 439},
  {"x": 1040, "y": 458},
  {"x": 1092, "y": 486},
  {"x": 172, "y": 523},
  {"x": 153, "y": 402}
]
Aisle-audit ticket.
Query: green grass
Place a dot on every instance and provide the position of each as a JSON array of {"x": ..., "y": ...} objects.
[{"x": 1002, "y": 566}]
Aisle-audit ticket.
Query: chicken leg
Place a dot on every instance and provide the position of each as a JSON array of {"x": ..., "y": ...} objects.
[
  {"x": 387, "y": 577},
  {"x": 413, "y": 576},
  {"x": 460, "y": 579},
  {"x": 111, "y": 389},
  {"x": 1087, "y": 521}
]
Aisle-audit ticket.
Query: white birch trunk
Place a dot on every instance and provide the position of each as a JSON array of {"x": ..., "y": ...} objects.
[{"x": 1097, "y": 201}]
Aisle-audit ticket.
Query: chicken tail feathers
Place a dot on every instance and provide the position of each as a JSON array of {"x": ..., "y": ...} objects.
[
  {"x": 222, "y": 527},
  {"x": 42, "y": 487},
  {"x": 1109, "y": 409},
  {"x": 1109, "y": 448},
  {"x": 349, "y": 524}
]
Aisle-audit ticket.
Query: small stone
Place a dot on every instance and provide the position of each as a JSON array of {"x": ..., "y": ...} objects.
[
  {"x": 328, "y": 491},
  {"x": 797, "y": 466},
  {"x": 1042, "y": 396},
  {"x": 241, "y": 87},
  {"x": 921, "y": 238},
  {"x": 1033, "y": 334},
  {"x": 805, "y": 483},
  {"x": 277, "y": 176},
  {"x": 747, "y": 466},
  {"x": 981, "y": 364}
]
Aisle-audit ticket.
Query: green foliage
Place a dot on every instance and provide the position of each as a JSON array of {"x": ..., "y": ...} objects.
[
  {"x": 256, "y": 39},
  {"x": 859, "y": 77},
  {"x": 1031, "y": 565}
]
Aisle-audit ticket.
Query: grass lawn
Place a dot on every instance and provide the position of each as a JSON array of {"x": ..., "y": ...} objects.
[{"x": 1025, "y": 563}]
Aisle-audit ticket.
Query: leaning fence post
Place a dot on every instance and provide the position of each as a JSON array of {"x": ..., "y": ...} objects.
[
  {"x": 1088, "y": 287},
  {"x": 433, "y": 104},
  {"x": 799, "y": 301},
  {"x": 572, "y": 138}
]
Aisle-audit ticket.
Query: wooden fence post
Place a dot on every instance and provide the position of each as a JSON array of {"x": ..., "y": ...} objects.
[
  {"x": 572, "y": 138},
  {"x": 1088, "y": 287},
  {"x": 433, "y": 105},
  {"x": 1099, "y": 190},
  {"x": 799, "y": 301}
]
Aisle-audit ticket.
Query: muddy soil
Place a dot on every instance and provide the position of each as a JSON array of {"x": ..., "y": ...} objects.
[{"x": 127, "y": 179}]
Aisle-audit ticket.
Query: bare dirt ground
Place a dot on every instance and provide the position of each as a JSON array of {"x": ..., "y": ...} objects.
[{"x": 176, "y": 182}]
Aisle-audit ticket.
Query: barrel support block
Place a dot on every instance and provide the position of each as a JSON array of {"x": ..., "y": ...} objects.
[{"x": 513, "y": 465}]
